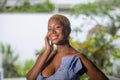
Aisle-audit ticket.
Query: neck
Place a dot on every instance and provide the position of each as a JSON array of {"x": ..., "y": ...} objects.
[{"x": 64, "y": 48}]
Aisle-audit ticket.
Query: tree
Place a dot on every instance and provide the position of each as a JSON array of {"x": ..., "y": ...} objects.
[
  {"x": 23, "y": 69},
  {"x": 10, "y": 69},
  {"x": 26, "y": 6},
  {"x": 98, "y": 46}
]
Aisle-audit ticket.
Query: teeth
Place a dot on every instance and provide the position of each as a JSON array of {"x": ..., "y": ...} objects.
[{"x": 54, "y": 37}]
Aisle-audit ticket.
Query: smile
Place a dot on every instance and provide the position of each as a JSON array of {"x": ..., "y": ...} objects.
[{"x": 54, "y": 37}]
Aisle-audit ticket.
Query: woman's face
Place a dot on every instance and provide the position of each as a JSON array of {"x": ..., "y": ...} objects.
[{"x": 55, "y": 32}]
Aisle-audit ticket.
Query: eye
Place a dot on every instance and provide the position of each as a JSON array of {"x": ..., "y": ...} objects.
[
  {"x": 49, "y": 29},
  {"x": 57, "y": 27}
]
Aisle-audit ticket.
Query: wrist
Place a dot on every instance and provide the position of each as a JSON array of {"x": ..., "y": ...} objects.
[{"x": 49, "y": 49}]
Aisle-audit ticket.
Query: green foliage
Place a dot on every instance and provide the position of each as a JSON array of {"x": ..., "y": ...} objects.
[
  {"x": 40, "y": 51},
  {"x": 11, "y": 68},
  {"x": 45, "y": 7},
  {"x": 22, "y": 70},
  {"x": 100, "y": 7},
  {"x": 9, "y": 60},
  {"x": 27, "y": 7},
  {"x": 98, "y": 46},
  {"x": 99, "y": 49}
]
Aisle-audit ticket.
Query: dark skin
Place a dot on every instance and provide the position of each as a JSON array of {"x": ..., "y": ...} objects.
[{"x": 56, "y": 35}]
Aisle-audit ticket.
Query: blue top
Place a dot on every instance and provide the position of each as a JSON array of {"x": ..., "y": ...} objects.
[{"x": 68, "y": 70}]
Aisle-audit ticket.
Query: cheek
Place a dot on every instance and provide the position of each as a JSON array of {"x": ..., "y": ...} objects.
[
  {"x": 62, "y": 36},
  {"x": 60, "y": 32},
  {"x": 66, "y": 33}
]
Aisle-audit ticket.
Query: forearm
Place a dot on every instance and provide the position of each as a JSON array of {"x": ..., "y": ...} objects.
[{"x": 38, "y": 67}]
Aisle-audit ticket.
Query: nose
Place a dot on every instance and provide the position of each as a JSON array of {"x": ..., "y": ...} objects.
[{"x": 52, "y": 31}]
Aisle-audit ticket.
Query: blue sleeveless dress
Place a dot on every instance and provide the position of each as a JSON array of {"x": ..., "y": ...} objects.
[{"x": 68, "y": 70}]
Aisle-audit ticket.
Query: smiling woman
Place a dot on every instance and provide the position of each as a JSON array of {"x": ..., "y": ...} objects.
[
  {"x": 57, "y": 26},
  {"x": 65, "y": 63}
]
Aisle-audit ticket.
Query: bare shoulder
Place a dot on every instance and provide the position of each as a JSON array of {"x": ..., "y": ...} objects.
[
  {"x": 82, "y": 56},
  {"x": 92, "y": 70}
]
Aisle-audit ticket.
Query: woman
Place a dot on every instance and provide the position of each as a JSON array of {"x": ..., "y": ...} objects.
[{"x": 65, "y": 63}]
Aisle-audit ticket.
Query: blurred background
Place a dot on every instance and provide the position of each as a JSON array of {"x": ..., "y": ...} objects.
[{"x": 23, "y": 25}]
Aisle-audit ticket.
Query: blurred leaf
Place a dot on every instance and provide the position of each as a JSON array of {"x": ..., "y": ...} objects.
[
  {"x": 16, "y": 58},
  {"x": 9, "y": 51},
  {"x": 100, "y": 7},
  {"x": 22, "y": 70},
  {"x": 114, "y": 38},
  {"x": 28, "y": 7},
  {"x": 2, "y": 48},
  {"x": 9, "y": 61},
  {"x": 118, "y": 18}
]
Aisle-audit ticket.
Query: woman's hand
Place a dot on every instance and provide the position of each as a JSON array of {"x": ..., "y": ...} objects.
[
  {"x": 48, "y": 44},
  {"x": 41, "y": 61}
]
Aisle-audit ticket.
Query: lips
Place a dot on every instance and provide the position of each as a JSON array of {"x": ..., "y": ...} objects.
[{"x": 54, "y": 37}]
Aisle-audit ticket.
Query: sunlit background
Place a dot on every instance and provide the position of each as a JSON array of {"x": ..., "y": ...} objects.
[{"x": 23, "y": 25}]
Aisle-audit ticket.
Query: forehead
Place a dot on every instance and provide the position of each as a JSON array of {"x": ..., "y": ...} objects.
[{"x": 54, "y": 22}]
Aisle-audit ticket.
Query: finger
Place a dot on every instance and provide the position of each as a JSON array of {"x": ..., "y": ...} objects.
[
  {"x": 46, "y": 40},
  {"x": 51, "y": 44}
]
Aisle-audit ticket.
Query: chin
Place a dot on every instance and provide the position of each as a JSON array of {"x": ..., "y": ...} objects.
[
  {"x": 58, "y": 43},
  {"x": 55, "y": 43}
]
